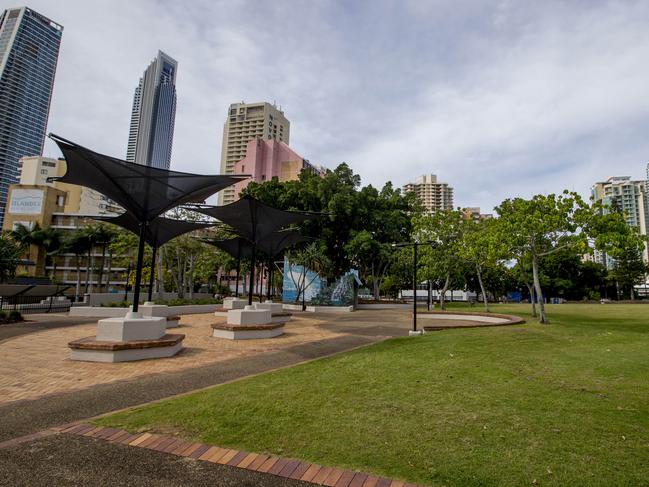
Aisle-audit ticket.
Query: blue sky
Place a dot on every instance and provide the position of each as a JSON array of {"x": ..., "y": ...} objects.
[{"x": 500, "y": 99}]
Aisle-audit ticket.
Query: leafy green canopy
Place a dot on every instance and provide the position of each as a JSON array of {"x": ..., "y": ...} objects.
[{"x": 359, "y": 223}]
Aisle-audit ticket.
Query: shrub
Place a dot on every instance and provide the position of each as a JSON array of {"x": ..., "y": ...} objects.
[
  {"x": 3, "y": 315},
  {"x": 15, "y": 316}
]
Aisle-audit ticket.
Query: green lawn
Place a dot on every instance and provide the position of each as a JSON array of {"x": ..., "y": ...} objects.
[{"x": 561, "y": 404}]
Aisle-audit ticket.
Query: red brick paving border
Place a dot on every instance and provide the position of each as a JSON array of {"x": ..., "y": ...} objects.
[{"x": 271, "y": 464}]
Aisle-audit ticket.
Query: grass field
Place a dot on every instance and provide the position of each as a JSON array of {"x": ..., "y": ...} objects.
[{"x": 559, "y": 404}]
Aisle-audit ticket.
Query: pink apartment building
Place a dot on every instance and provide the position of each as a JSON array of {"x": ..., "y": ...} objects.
[{"x": 270, "y": 158}]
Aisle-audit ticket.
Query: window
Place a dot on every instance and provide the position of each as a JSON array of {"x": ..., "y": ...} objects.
[{"x": 60, "y": 200}]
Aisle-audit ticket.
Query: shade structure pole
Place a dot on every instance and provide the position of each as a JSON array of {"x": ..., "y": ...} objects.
[
  {"x": 154, "y": 250},
  {"x": 236, "y": 283},
  {"x": 128, "y": 274},
  {"x": 138, "y": 268},
  {"x": 269, "y": 289},
  {"x": 253, "y": 256},
  {"x": 251, "y": 286}
]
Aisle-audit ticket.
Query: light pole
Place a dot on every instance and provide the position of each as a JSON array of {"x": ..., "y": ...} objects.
[{"x": 414, "y": 245}]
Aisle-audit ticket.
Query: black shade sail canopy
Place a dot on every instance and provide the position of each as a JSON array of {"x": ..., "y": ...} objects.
[
  {"x": 273, "y": 245},
  {"x": 144, "y": 191},
  {"x": 252, "y": 219},
  {"x": 159, "y": 231}
]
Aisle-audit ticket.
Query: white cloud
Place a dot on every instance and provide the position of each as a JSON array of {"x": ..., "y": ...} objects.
[{"x": 501, "y": 99}]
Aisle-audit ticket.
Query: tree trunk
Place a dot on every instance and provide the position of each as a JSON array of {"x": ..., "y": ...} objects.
[
  {"x": 78, "y": 288},
  {"x": 101, "y": 267},
  {"x": 530, "y": 288},
  {"x": 108, "y": 270},
  {"x": 160, "y": 283},
  {"x": 442, "y": 293},
  {"x": 539, "y": 293},
  {"x": 191, "y": 276},
  {"x": 484, "y": 293},
  {"x": 87, "y": 272}
]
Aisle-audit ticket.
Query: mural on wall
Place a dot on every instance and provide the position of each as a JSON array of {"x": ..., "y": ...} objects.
[
  {"x": 294, "y": 276},
  {"x": 342, "y": 292}
]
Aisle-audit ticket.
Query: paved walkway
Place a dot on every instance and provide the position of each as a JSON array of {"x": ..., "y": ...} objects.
[
  {"x": 70, "y": 460},
  {"x": 39, "y": 363},
  {"x": 39, "y": 322}
]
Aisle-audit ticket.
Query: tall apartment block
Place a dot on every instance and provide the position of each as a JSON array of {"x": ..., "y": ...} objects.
[
  {"x": 29, "y": 51},
  {"x": 629, "y": 197},
  {"x": 435, "y": 196},
  {"x": 267, "y": 159},
  {"x": 150, "y": 138},
  {"x": 245, "y": 122}
]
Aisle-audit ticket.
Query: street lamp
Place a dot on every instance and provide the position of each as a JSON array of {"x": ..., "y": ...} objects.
[{"x": 414, "y": 245}]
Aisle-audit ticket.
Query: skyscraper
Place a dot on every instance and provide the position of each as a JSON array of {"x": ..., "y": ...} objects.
[
  {"x": 245, "y": 122},
  {"x": 29, "y": 50},
  {"x": 631, "y": 199},
  {"x": 154, "y": 113},
  {"x": 435, "y": 196}
]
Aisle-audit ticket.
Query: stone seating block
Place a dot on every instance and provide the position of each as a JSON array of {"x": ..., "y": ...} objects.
[
  {"x": 234, "y": 303},
  {"x": 249, "y": 316},
  {"x": 131, "y": 328}
]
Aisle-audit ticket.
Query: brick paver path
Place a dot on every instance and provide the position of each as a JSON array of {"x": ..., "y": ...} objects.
[
  {"x": 39, "y": 364},
  {"x": 270, "y": 464}
]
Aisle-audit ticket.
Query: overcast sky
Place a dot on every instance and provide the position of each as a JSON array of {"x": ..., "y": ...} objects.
[{"x": 499, "y": 99}]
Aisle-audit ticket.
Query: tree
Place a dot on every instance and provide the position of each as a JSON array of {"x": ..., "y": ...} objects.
[
  {"x": 90, "y": 233},
  {"x": 124, "y": 246},
  {"x": 482, "y": 247},
  {"x": 348, "y": 210},
  {"x": 542, "y": 226},
  {"x": 103, "y": 235},
  {"x": 77, "y": 244},
  {"x": 52, "y": 242},
  {"x": 10, "y": 253},
  {"x": 440, "y": 263},
  {"x": 311, "y": 258},
  {"x": 629, "y": 270}
]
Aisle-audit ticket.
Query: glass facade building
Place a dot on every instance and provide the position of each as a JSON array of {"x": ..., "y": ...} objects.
[
  {"x": 29, "y": 50},
  {"x": 154, "y": 113}
]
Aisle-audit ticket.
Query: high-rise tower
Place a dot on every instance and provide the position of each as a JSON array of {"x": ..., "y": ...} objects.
[
  {"x": 245, "y": 122},
  {"x": 434, "y": 195},
  {"x": 154, "y": 112},
  {"x": 29, "y": 50}
]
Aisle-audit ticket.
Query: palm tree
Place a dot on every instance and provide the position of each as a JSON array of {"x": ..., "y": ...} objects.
[
  {"x": 103, "y": 236},
  {"x": 77, "y": 243},
  {"x": 9, "y": 257},
  {"x": 310, "y": 257},
  {"x": 52, "y": 241},
  {"x": 25, "y": 236},
  {"x": 90, "y": 234}
]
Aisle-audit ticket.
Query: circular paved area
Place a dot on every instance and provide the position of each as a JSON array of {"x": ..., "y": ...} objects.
[{"x": 39, "y": 363}]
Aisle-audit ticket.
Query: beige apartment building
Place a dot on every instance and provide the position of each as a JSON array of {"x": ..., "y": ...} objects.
[
  {"x": 62, "y": 206},
  {"x": 35, "y": 171},
  {"x": 435, "y": 196},
  {"x": 245, "y": 122}
]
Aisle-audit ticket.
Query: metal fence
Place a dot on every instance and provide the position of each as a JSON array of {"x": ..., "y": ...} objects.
[{"x": 33, "y": 298}]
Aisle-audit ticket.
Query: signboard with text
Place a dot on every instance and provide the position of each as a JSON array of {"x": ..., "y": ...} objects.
[{"x": 26, "y": 201}]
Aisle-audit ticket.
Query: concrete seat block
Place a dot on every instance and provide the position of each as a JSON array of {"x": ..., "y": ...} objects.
[
  {"x": 151, "y": 309},
  {"x": 129, "y": 329},
  {"x": 269, "y": 305},
  {"x": 234, "y": 303},
  {"x": 250, "y": 334},
  {"x": 249, "y": 316}
]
